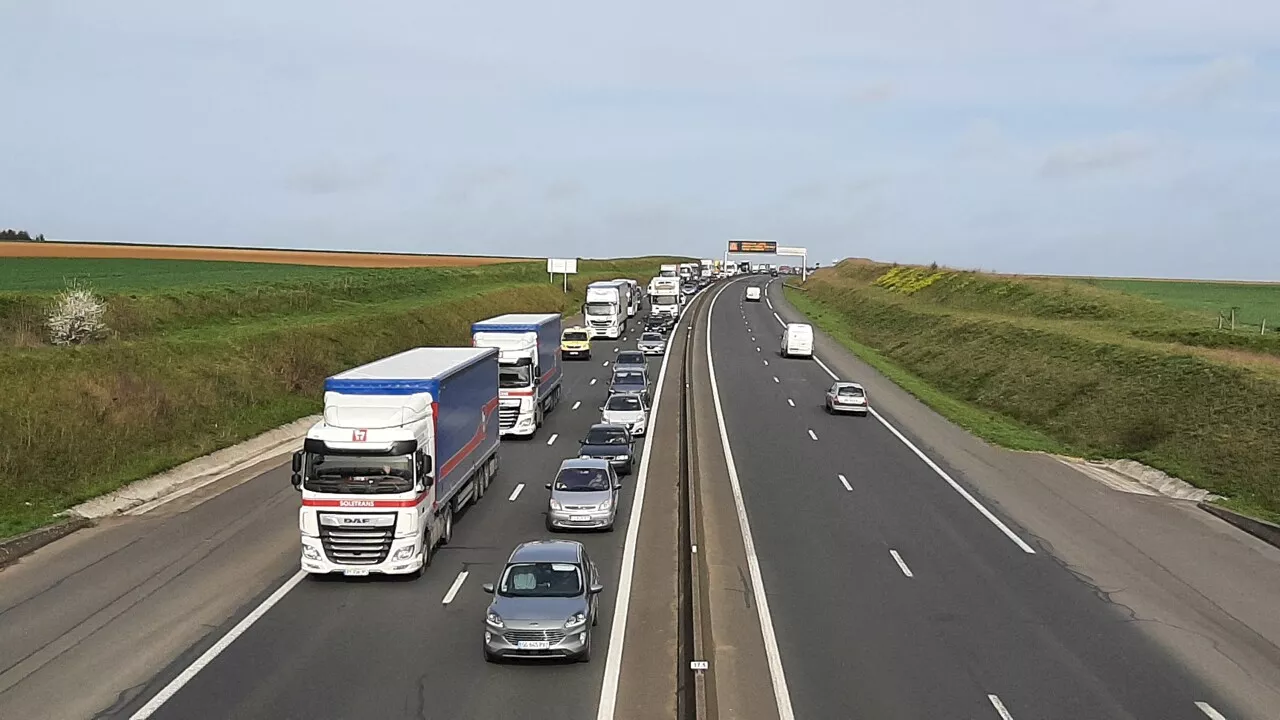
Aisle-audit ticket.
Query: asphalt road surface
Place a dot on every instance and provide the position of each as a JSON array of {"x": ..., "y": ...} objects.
[{"x": 891, "y": 593}]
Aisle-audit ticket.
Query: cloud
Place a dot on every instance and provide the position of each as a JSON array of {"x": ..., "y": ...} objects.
[
  {"x": 1210, "y": 82},
  {"x": 1098, "y": 155}
]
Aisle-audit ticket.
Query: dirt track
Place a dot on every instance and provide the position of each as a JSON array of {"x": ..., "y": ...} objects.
[{"x": 284, "y": 257}]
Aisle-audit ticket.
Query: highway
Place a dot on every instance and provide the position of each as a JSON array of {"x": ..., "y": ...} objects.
[{"x": 893, "y": 591}]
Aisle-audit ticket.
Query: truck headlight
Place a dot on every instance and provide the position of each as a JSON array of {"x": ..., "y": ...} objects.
[
  {"x": 310, "y": 553},
  {"x": 404, "y": 553}
]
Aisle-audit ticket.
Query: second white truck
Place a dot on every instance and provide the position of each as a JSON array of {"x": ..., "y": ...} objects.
[
  {"x": 529, "y": 377},
  {"x": 605, "y": 310}
]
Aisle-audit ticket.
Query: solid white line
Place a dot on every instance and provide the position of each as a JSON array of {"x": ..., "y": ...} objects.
[
  {"x": 780, "y": 692},
  {"x": 780, "y": 322},
  {"x": 516, "y": 493},
  {"x": 453, "y": 589},
  {"x": 552, "y": 438},
  {"x": 942, "y": 473},
  {"x": 618, "y": 629},
  {"x": 168, "y": 691},
  {"x": 791, "y": 402},
  {"x": 901, "y": 564},
  {"x": 1207, "y": 709},
  {"x": 593, "y": 381},
  {"x": 812, "y": 436},
  {"x": 576, "y": 405},
  {"x": 845, "y": 482},
  {"x": 999, "y": 706}
]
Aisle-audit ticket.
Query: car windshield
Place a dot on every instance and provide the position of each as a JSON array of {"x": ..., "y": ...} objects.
[
  {"x": 849, "y": 391},
  {"x": 628, "y": 378},
  {"x": 542, "y": 579},
  {"x": 623, "y": 403},
  {"x": 651, "y": 337},
  {"x": 359, "y": 474},
  {"x": 630, "y": 357},
  {"x": 582, "y": 480},
  {"x": 575, "y": 336},
  {"x": 515, "y": 376},
  {"x": 606, "y": 436}
]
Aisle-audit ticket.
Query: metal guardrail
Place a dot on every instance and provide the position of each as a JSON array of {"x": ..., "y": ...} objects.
[{"x": 693, "y": 658}]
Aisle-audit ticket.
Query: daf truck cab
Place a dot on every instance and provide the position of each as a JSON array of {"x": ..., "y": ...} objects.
[
  {"x": 529, "y": 377},
  {"x": 604, "y": 310},
  {"x": 405, "y": 442}
]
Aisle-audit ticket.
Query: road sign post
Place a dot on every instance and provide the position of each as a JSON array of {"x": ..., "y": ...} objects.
[{"x": 566, "y": 266}]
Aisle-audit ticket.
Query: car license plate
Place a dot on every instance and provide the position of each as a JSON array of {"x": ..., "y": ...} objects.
[
  {"x": 533, "y": 645},
  {"x": 355, "y": 573},
  {"x": 579, "y": 518}
]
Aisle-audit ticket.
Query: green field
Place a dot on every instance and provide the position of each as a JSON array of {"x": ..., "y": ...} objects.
[
  {"x": 1253, "y": 302},
  {"x": 1070, "y": 366},
  {"x": 201, "y": 356}
]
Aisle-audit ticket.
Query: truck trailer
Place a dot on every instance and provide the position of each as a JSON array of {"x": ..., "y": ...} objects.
[
  {"x": 405, "y": 442},
  {"x": 529, "y": 377}
]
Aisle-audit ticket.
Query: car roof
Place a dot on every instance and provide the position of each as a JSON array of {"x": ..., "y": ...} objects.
[
  {"x": 806, "y": 326},
  {"x": 848, "y": 383},
  {"x": 582, "y": 463},
  {"x": 569, "y": 551},
  {"x": 607, "y": 426},
  {"x": 629, "y": 352}
]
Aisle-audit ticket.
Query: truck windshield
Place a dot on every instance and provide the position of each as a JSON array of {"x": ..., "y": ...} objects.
[
  {"x": 599, "y": 308},
  {"x": 515, "y": 376},
  {"x": 359, "y": 474},
  {"x": 664, "y": 300}
]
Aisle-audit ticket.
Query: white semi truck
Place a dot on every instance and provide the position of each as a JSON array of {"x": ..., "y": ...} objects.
[
  {"x": 529, "y": 377},
  {"x": 665, "y": 297},
  {"x": 405, "y": 442},
  {"x": 605, "y": 310}
]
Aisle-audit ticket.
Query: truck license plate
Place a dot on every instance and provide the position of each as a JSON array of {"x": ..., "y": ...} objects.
[
  {"x": 355, "y": 572},
  {"x": 533, "y": 645},
  {"x": 579, "y": 518}
]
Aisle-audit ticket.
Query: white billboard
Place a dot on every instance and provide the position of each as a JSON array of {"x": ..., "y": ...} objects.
[
  {"x": 567, "y": 266},
  {"x": 797, "y": 251}
]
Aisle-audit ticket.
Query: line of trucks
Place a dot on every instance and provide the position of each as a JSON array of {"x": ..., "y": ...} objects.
[{"x": 407, "y": 441}]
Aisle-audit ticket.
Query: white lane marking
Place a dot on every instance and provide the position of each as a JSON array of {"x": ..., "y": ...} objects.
[
  {"x": 593, "y": 381},
  {"x": 576, "y": 405},
  {"x": 615, "y": 350},
  {"x": 753, "y": 338},
  {"x": 902, "y": 565},
  {"x": 1207, "y": 709},
  {"x": 942, "y": 473},
  {"x": 999, "y": 706},
  {"x": 845, "y": 482},
  {"x": 791, "y": 402},
  {"x": 516, "y": 493},
  {"x": 812, "y": 436},
  {"x": 780, "y": 322},
  {"x": 553, "y": 437},
  {"x": 780, "y": 692},
  {"x": 453, "y": 589},
  {"x": 606, "y": 363},
  {"x": 757, "y": 349},
  {"x": 168, "y": 691},
  {"x": 618, "y": 628},
  {"x": 775, "y": 378},
  {"x": 766, "y": 362},
  {"x": 770, "y": 302}
]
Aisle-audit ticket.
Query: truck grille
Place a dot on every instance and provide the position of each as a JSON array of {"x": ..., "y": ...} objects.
[
  {"x": 357, "y": 545},
  {"x": 551, "y": 636},
  {"x": 507, "y": 417}
]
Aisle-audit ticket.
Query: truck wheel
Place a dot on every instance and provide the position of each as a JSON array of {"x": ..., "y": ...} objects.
[
  {"x": 448, "y": 527},
  {"x": 481, "y": 485}
]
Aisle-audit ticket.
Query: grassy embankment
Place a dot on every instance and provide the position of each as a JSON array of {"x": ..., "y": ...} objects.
[
  {"x": 1073, "y": 366},
  {"x": 206, "y": 354}
]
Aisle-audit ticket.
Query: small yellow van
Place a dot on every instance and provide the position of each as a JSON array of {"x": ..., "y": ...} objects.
[{"x": 575, "y": 342}]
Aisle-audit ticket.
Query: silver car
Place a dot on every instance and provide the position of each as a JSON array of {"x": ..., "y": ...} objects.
[
  {"x": 845, "y": 396},
  {"x": 583, "y": 495},
  {"x": 544, "y": 604},
  {"x": 630, "y": 360},
  {"x": 651, "y": 343},
  {"x": 629, "y": 411}
]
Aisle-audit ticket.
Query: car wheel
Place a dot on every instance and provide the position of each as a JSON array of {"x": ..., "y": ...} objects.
[{"x": 827, "y": 407}]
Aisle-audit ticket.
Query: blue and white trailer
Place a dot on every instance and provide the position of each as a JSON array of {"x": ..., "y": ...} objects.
[
  {"x": 405, "y": 442},
  {"x": 529, "y": 376}
]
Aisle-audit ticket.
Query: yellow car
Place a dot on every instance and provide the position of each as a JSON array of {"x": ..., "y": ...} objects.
[{"x": 575, "y": 343}]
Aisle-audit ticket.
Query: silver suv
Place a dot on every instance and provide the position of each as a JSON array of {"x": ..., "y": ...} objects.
[
  {"x": 544, "y": 603},
  {"x": 584, "y": 495}
]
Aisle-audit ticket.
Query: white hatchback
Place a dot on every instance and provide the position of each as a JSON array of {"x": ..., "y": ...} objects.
[{"x": 797, "y": 340}]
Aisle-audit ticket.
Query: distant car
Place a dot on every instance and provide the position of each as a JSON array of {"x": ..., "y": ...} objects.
[
  {"x": 630, "y": 359},
  {"x": 689, "y": 288},
  {"x": 630, "y": 382},
  {"x": 845, "y": 396},
  {"x": 544, "y": 604},
  {"x": 753, "y": 293},
  {"x": 629, "y": 411},
  {"x": 611, "y": 442},
  {"x": 797, "y": 340},
  {"x": 575, "y": 342},
  {"x": 651, "y": 343}
]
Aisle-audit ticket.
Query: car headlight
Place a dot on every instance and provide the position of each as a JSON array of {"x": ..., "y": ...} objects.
[
  {"x": 403, "y": 553},
  {"x": 493, "y": 619},
  {"x": 555, "y": 504},
  {"x": 575, "y": 620},
  {"x": 310, "y": 553},
  {"x": 606, "y": 504}
]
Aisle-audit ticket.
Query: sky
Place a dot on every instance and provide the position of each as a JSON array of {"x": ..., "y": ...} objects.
[{"x": 1111, "y": 137}]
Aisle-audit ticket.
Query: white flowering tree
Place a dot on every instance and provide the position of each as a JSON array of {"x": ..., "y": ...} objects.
[{"x": 76, "y": 316}]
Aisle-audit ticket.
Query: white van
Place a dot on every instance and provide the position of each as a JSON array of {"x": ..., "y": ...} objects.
[
  {"x": 797, "y": 340},
  {"x": 753, "y": 293}
]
